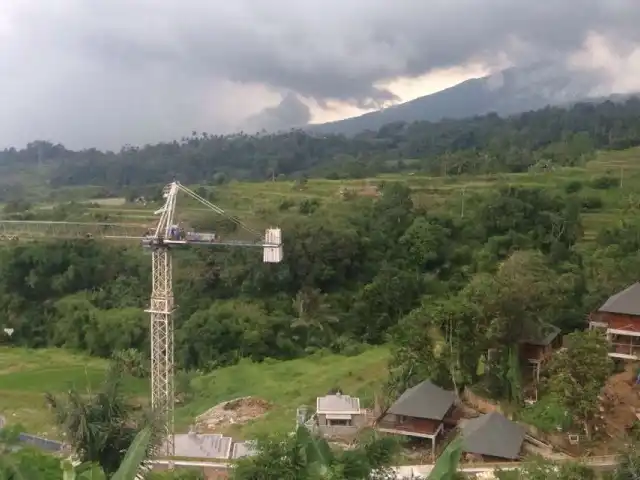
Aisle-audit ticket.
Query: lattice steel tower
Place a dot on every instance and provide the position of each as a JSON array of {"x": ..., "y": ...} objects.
[{"x": 169, "y": 235}]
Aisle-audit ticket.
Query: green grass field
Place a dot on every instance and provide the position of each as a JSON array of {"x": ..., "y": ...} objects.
[
  {"x": 26, "y": 374},
  {"x": 261, "y": 204}
]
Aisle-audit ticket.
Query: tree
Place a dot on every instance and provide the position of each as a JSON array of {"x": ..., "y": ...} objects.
[
  {"x": 441, "y": 341},
  {"x": 99, "y": 425},
  {"x": 132, "y": 362},
  {"x": 29, "y": 463},
  {"x": 577, "y": 374},
  {"x": 127, "y": 469},
  {"x": 520, "y": 297},
  {"x": 628, "y": 467},
  {"x": 303, "y": 456},
  {"x": 313, "y": 318},
  {"x": 414, "y": 357}
]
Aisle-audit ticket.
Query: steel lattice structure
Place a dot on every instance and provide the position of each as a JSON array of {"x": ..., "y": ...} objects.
[{"x": 166, "y": 236}]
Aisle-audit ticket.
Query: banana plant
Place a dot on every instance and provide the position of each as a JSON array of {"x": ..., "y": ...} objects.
[
  {"x": 446, "y": 466},
  {"x": 129, "y": 468}
]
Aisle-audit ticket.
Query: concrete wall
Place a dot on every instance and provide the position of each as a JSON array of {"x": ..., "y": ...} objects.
[
  {"x": 356, "y": 420},
  {"x": 338, "y": 432}
]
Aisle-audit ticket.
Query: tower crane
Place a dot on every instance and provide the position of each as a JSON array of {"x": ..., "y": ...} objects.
[{"x": 167, "y": 235}]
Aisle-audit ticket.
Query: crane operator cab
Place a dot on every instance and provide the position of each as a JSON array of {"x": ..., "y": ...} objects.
[{"x": 176, "y": 233}]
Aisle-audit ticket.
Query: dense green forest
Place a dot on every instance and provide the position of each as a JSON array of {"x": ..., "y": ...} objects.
[
  {"x": 346, "y": 280},
  {"x": 486, "y": 144}
]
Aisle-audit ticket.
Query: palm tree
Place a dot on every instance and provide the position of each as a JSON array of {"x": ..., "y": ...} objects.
[
  {"x": 99, "y": 426},
  {"x": 127, "y": 470},
  {"x": 313, "y": 317}
]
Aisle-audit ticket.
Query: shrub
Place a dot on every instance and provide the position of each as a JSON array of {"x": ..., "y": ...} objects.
[
  {"x": 591, "y": 202},
  {"x": 605, "y": 182},
  {"x": 573, "y": 187}
]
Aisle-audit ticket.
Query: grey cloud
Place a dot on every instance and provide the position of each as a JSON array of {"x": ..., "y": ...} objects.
[
  {"x": 114, "y": 61},
  {"x": 340, "y": 49},
  {"x": 290, "y": 112}
]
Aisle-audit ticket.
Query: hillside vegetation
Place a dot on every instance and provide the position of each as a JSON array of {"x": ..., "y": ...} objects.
[
  {"x": 494, "y": 228},
  {"x": 486, "y": 144}
]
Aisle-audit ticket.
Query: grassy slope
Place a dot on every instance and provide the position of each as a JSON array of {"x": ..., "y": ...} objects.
[{"x": 26, "y": 374}]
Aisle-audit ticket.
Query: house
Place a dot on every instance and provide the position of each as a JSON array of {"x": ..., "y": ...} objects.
[
  {"x": 419, "y": 412},
  {"x": 492, "y": 437},
  {"x": 619, "y": 319},
  {"x": 538, "y": 341},
  {"x": 339, "y": 414}
]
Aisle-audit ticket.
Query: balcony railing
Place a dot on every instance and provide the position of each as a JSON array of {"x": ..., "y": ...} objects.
[{"x": 625, "y": 349}]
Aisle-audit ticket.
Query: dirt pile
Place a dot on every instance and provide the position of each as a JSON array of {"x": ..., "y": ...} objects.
[
  {"x": 232, "y": 412},
  {"x": 620, "y": 402}
]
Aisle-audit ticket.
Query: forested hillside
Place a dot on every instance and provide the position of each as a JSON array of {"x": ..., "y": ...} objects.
[
  {"x": 346, "y": 280},
  {"x": 487, "y": 144}
]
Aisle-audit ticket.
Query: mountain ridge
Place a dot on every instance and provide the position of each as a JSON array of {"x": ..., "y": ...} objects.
[{"x": 508, "y": 92}]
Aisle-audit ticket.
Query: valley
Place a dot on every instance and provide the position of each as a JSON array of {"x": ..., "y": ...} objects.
[{"x": 397, "y": 271}]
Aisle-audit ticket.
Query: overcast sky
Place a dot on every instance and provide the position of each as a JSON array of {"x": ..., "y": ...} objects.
[{"x": 108, "y": 72}]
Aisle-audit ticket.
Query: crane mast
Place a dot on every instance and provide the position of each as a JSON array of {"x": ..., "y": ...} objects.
[
  {"x": 166, "y": 236},
  {"x": 162, "y": 354}
]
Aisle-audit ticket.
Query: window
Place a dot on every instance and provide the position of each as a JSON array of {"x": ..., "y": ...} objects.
[{"x": 339, "y": 423}]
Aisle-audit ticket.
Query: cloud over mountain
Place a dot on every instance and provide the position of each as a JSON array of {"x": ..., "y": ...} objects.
[{"x": 106, "y": 72}]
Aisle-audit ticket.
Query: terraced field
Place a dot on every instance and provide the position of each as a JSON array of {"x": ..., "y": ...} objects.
[{"x": 263, "y": 203}]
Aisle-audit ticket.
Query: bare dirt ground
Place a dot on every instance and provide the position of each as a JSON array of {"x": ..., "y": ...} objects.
[
  {"x": 621, "y": 402},
  {"x": 233, "y": 412}
]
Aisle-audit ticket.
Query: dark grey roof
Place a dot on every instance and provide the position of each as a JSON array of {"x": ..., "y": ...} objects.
[
  {"x": 626, "y": 302},
  {"x": 541, "y": 334},
  {"x": 492, "y": 434},
  {"x": 425, "y": 400}
]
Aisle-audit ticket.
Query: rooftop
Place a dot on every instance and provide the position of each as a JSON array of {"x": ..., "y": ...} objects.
[
  {"x": 425, "y": 400},
  {"x": 338, "y": 403},
  {"x": 626, "y": 302},
  {"x": 493, "y": 435}
]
